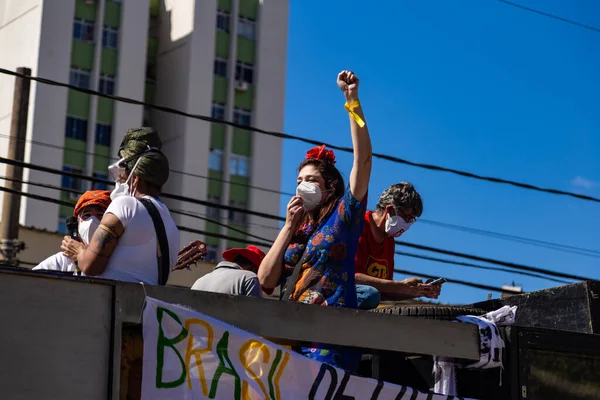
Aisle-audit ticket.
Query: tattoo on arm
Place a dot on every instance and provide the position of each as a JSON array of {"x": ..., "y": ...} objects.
[{"x": 103, "y": 238}]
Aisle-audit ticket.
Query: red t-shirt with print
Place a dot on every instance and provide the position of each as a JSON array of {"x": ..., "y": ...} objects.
[{"x": 372, "y": 258}]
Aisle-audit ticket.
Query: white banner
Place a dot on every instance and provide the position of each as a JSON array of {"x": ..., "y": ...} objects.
[{"x": 188, "y": 355}]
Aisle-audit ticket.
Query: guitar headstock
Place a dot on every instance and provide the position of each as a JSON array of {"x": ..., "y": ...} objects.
[{"x": 190, "y": 254}]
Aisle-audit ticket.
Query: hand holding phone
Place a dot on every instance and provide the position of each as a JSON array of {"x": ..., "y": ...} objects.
[{"x": 437, "y": 281}]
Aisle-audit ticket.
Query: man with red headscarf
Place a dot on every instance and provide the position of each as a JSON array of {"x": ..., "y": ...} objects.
[
  {"x": 89, "y": 211},
  {"x": 236, "y": 275}
]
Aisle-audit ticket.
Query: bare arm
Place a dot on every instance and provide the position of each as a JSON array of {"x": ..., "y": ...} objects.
[
  {"x": 94, "y": 259},
  {"x": 399, "y": 290},
  {"x": 271, "y": 267},
  {"x": 361, "y": 141}
]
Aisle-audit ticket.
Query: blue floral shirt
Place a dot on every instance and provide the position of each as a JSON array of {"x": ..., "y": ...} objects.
[{"x": 327, "y": 275}]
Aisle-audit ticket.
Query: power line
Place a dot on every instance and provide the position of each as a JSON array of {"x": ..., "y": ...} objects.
[
  {"x": 305, "y": 140},
  {"x": 491, "y": 261},
  {"x": 496, "y": 235},
  {"x": 556, "y": 17},
  {"x": 460, "y": 282},
  {"x": 210, "y": 178},
  {"x": 253, "y": 242},
  {"x": 274, "y": 217},
  {"x": 469, "y": 265},
  {"x": 519, "y": 239}
]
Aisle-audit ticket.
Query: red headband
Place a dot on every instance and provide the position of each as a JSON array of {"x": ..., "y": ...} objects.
[{"x": 320, "y": 153}]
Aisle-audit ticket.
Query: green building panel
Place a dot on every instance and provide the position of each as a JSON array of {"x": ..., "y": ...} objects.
[
  {"x": 238, "y": 189},
  {"x": 112, "y": 14},
  {"x": 245, "y": 99},
  {"x": 84, "y": 10},
  {"x": 101, "y": 158},
  {"x": 154, "y": 8},
  {"x": 212, "y": 227},
  {"x": 78, "y": 104},
  {"x": 108, "y": 64},
  {"x": 242, "y": 142},
  {"x": 149, "y": 93},
  {"x": 246, "y": 49},
  {"x": 82, "y": 55},
  {"x": 75, "y": 152},
  {"x": 106, "y": 108},
  {"x": 152, "y": 49},
  {"x": 222, "y": 44},
  {"x": 220, "y": 90},
  {"x": 248, "y": 9},
  {"x": 65, "y": 211},
  {"x": 215, "y": 185},
  {"x": 211, "y": 241},
  {"x": 237, "y": 235},
  {"x": 224, "y": 5},
  {"x": 217, "y": 136}
]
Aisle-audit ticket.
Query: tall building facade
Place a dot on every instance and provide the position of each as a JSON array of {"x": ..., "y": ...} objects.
[{"x": 223, "y": 58}]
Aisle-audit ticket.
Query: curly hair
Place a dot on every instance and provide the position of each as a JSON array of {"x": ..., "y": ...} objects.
[
  {"x": 334, "y": 182},
  {"x": 401, "y": 195}
]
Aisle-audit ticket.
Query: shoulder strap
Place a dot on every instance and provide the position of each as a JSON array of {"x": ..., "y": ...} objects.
[
  {"x": 161, "y": 237},
  {"x": 291, "y": 284}
]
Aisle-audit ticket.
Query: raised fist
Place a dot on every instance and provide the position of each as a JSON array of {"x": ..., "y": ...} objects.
[{"x": 348, "y": 83}]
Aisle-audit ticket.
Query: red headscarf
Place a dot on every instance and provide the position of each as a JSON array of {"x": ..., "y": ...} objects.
[{"x": 321, "y": 153}]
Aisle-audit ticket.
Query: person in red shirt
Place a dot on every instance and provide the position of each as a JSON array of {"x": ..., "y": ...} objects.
[{"x": 397, "y": 209}]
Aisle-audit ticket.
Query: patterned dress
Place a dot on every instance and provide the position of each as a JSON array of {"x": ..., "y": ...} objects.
[{"x": 327, "y": 275}]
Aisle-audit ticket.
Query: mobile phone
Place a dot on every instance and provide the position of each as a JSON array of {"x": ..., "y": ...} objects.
[{"x": 437, "y": 281}]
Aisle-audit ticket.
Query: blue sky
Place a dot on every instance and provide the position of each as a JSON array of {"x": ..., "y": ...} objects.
[{"x": 475, "y": 85}]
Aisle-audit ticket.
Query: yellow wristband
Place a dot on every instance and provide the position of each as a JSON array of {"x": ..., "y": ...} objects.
[{"x": 350, "y": 108}]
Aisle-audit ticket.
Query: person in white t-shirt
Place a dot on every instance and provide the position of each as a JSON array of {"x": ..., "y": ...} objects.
[
  {"x": 89, "y": 211},
  {"x": 124, "y": 247}
]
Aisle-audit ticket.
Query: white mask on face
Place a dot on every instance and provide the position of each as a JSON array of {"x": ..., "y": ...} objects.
[
  {"x": 396, "y": 226},
  {"x": 87, "y": 228},
  {"x": 122, "y": 189},
  {"x": 310, "y": 195}
]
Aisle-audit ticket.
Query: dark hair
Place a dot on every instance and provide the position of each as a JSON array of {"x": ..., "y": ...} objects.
[
  {"x": 401, "y": 195},
  {"x": 334, "y": 182}
]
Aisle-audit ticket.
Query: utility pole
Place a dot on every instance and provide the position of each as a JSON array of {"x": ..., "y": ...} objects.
[{"x": 11, "y": 207}]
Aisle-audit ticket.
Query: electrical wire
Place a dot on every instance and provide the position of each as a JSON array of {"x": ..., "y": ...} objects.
[
  {"x": 274, "y": 217},
  {"x": 174, "y": 171},
  {"x": 469, "y": 265},
  {"x": 302, "y": 139},
  {"x": 264, "y": 243},
  {"x": 538, "y": 243},
  {"x": 491, "y": 261},
  {"x": 556, "y": 17}
]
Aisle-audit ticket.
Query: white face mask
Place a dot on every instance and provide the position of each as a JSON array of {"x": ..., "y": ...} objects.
[
  {"x": 122, "y": 189},
  {"x": 396, "y": 226},
  {"x": 87, "y": 228},
  {"x": 310, "y": 194}
]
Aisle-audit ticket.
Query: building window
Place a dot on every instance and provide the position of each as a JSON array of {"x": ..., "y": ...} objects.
[
  {"x": 247, "y": 28},
  {"x": 107, "y": 84},
  {"x": 69, "y": 182},
  {"x": 242, "y": 116},
  {"x": 62, "y": 226},
  {"x": 83, "y": 30},
  {"x": 215, "y": 160},
  {"x": 220, "y": 67},
  {"x": 244, "y": 72},
  {"x": 213, "y": 212},
  {"x": 218, "y": 111},
  {"x": 211, "y": 253},
  {"x": 237, "y": 217},
  {"x": 238, "y": 165},
  {"x": 76, "y": 128},
  {"x": 223, "y": 19},
  {"x": 79, "y": 78},
  {"x": 103, "y": 134},
  {"x": 110, "y": 37},
  {"x": 99, "y": 185}
]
